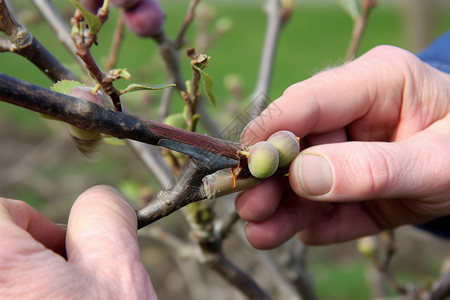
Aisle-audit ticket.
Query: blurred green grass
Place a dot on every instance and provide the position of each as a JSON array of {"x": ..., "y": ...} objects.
[{"x": 315, "y": 38}]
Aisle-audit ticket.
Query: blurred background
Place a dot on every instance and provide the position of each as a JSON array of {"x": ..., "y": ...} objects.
[{"x": 39, "y": 164}]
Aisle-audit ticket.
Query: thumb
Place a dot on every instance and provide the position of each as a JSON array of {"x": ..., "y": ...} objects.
[
  {"x": 354, "y": 171},
  {"x": 102, "y": 239}
]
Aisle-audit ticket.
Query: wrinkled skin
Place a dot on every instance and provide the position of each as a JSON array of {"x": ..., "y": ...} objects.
[
  {"x": 376, "y": 140},
  {"x": 103, "y": 260}
]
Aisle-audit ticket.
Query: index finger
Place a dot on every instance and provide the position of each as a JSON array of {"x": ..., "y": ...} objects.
[
  {"x": 334, "y": 98},
  {"x": 19, "y": 219}
]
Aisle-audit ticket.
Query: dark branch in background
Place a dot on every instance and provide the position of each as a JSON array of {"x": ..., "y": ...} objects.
[
  {"x": 150, "y": 156},
  {"x": 277, "y": 16},
  {"x": 171, "y": 58},
  {"x": 238, "y": 279},
  {"x": 179, "y": 42},
  {"x": 59, "y": 27},
  {"x": 22, "y": 42},
  {"x": 117, "y": 41}
]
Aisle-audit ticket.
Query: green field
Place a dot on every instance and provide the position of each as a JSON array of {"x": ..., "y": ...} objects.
[{"x": 315, "y": 38}]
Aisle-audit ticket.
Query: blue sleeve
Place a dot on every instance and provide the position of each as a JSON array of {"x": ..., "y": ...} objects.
[{"x": 438, "y": 55}]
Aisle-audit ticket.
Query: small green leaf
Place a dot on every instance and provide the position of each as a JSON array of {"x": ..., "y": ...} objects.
[
  {"x": 91, "y": 20},
  {"x": 207, "y": 85},
  {"x": 121, "y": 73},
  {"x": 65, "y": 86},
  {"x": 139, "y": 87}
]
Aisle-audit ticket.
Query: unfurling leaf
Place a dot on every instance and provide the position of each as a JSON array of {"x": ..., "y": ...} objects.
[
  {"x": 207, "y": 85},
  {"x": 139, "y": 87},
  {"x": 65, "y": 86},
  {"x": 120, "y": 73},
  {"x": 91, "y": 20}
]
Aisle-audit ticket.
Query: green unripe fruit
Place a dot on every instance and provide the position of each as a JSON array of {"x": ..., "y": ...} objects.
[
  {"x": 176, "y": 120},
  {"x": 263, "y": 159},
  {"x": 85, "y": 140},
  {"x": 85, "y": 92},
  {"x": 83, "y": 134},
  {"x": 287, "y": 145}
]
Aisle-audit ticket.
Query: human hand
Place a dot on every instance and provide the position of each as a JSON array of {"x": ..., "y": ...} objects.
[
  {"x": 103, "y": 259},
  {"x": 376, "y": 140}
]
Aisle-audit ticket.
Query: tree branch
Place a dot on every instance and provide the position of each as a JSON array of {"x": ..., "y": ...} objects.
[
  {"x": 240, "y": 280},
  {"x": 59, "y": 26},
  {"x": 179, "y": 42},
  {"x": 22, "y": 42},
  {"x": 276, "y": 18},
  {"x": 359, "y": 26},
  {"x": 117, "y": 41},
  {"x": 171, "y": 58},
  {"x": 210, "y": 154},
  {"x": 87, "y": 115},
  {"x": 151, "y": 158}
]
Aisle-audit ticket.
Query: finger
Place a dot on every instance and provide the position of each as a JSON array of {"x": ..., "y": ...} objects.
[
  {"x": 336, "y": 97},
  {"x": 260, "y": 202},
  {"x": 293, "y": 215},
  {"x": 101, "y": 236},
  {"x": 356, "y": 171},
  {"x": 100, "y": 223},
  {"x": 15, "y": 215},
  {"x": 335, "y": 136},
  {"x": 343, "y": 222}
]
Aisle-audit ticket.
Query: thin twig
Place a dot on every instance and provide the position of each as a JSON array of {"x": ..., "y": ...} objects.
[
  {"x": 59, "y": 27},
  {"x": 224, "y": 228},
  {"x": 22, "y": 42},
  {"x": 117, "y": 41},
  {"x": 151, "y": 158},
  {"x": 275, "y": 22},
  {"x": 240, "y": 280},
  {"x": 179, "y": 41},
  {"x": 171, "y": 57},
  {"x": 168, "y": 239},
  {"x": 278, "y": 278},
  {"x": 294, "y": 268},
  {"x": 359, "y": 26}
]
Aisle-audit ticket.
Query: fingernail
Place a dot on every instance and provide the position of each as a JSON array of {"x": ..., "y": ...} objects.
[
  {"x": 242, "y": 137},
  {"x": 315, "y": 174}
]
